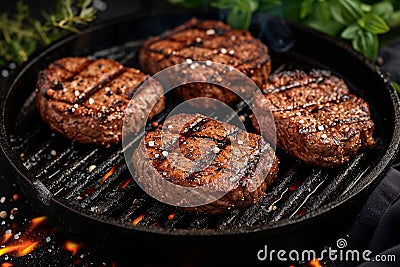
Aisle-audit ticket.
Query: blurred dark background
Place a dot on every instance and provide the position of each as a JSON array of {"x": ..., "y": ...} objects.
[{"x": 51, "y": 252}]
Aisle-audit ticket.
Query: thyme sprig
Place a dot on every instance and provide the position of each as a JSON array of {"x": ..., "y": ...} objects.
[{"x": 23, "y": 34}]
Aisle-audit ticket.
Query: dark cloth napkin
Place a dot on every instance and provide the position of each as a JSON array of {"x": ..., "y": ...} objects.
[{"x": 377, "y": 227}]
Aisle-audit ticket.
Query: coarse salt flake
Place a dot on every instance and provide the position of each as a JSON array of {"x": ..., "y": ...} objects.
[{"x": 210, "y": 32}]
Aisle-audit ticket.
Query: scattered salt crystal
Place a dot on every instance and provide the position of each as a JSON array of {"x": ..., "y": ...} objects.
[
  {"x": 91, "y": 168},
  {"x": 216, "y": 150},
  {"x": 210, "y": 32},
  {"x": 224, "y": 51},
  {"x": 91, "y": 101},
  {"x": 324, "y": 136},
  {"x": 8, "y": 231},
  {"x": 189, "y": 61},
  {"x": 231, "y": 52},
  {"x": 165, "y": 153},
  {"x": 298, "y": 113},
  {"x": 170, "y": 126},
  {"x": 208, "y": 62},
  {"x": 301, "y": 121},
  {"x": 240, "y": 142},
  {"x": 76, "y": 93},
  {"x": 53, "y": 152},
  {"x": 321, "y": 128},
  {"x": 2, "y": 200},
  {"x": 48, "y": 239},
  {"x": 151, "y": 143},
  {"x": 156, "y": 155},
  {"x": 76, "y": 105}
]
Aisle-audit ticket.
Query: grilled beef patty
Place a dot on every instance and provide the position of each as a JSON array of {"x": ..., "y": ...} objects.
[
  {"x": 211, "y": 41},
  {"x": 193, "y": 150},
  {"x": 317, "y": 119},
  {"x": 85, "y": 99}
]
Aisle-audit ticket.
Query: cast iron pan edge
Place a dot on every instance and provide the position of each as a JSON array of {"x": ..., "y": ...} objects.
[{"x": 57, "y": 210}]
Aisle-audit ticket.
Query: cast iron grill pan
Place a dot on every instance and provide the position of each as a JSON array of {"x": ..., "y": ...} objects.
[{"x": 55, "y": 171}]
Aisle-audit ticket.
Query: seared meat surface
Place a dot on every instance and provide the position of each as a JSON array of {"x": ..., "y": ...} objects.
[
  {"x": 85, "y": 99},
  {"x": 317, "y": 119},
  {"x": 192, "y": 150},
  {"x": 211, "y": 41}
]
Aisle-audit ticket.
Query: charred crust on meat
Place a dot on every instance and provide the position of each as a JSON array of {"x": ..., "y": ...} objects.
[
  {"x": 207, "y": 40},
  {"x": 77, "y": 98},
  {"x": 317, "y": 119},
  {"x": 217, "y": 138}
]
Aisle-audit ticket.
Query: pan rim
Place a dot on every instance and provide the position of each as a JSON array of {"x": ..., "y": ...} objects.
[{"x": 372, "y": 175}]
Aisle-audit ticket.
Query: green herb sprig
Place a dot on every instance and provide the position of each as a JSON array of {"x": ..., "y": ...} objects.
[
  {"x": 22, "y": 34},
  {"x": 358, "y": 21}
]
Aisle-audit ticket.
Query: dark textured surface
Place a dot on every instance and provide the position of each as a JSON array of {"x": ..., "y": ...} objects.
[{"x": 7, "y": 189}]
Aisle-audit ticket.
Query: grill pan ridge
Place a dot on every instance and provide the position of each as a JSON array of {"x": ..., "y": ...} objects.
[{"x": 301, "y": 198}]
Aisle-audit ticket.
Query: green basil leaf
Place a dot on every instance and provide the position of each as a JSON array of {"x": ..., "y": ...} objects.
[
  {"x": 239, "y": 19},
  {"x": 223, "y": 4},
  {"x": 330, "y": 27},
  {"x": 247, "y": 5},
  {"x": 346, "y": 11},
  {"x": 350, "y": 31},
  {"x": 373, "y": 23},
  {"x": 322, "y": 12},
  {"x": 396, "y": 86},
  {"x": 306, "y": 7},
  {"x": 383, "y": 9},
  {"x": 367, "y": 43}
]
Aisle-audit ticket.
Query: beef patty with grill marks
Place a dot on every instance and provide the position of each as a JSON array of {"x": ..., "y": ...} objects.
[
  {"x": 192, "y": 150},
  {"x": 210, "y": 41},
  {"x": 85, "y": 99},
  {"x": 317, "y": 119}
]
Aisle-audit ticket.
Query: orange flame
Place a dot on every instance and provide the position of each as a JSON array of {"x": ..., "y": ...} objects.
[
  {"x": 22, "y": 249},
  {"x": 22, "y": 246},
  {"x": 172, "y": 215},
  {"x": 6, "y": 237},
  {"x": 35, "y": 222},
  {"x": 109, "y": 173},
  {"x": 72, "y": 246},
  {"x": 125, "y": 183},
  {"x": 7, "y": 264},
  {"x": 138, "y": 219},
  {"x": 315, "y": 263}
]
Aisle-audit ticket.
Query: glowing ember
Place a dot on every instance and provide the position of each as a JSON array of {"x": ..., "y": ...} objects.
[
  {"x": 6, "y": 237},
  {"x": 172, "y": 215},
  {"x": 22, "y": 249},
  {"x": 315, "y": 263},
  {"x": 35, "y": 222},
  {"x": 72, "y": 246},
  {"x": 138, "y": 219},
  {"x": 109, "y": 173},
  {"x": 6, "y": 264},
  {"x": 125, "y": 183},
  {"x": 28, "y": 249}
]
